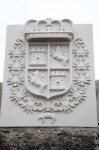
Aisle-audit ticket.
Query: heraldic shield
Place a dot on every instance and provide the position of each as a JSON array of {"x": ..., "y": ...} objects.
[
  {"x": 48, "y": 52},
  {"x": 48, "y": 68}
]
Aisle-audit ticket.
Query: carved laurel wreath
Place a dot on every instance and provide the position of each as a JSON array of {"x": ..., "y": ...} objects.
[{"x": 65, "y": 103}]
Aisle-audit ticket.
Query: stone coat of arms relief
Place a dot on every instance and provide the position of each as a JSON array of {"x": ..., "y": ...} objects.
[{"x": 49, "y": 71}]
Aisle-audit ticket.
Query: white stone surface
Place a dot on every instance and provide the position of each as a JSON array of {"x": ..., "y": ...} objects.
[{"x": 49, "y": 75}]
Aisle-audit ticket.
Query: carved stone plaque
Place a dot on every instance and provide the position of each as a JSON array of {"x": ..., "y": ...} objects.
[{"x": 49, "y": 75}]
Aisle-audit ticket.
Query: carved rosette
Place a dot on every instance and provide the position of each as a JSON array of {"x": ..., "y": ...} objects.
[{"x": 32, "y": 103}]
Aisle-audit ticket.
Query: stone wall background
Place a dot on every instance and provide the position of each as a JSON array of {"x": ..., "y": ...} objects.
[
  {"x": 50, "y": 138},
  {"x": 0, "y": 94},
  {"x": 97, "y": 96}
]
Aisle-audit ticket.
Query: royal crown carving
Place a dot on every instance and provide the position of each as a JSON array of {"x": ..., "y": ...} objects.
[{"x": 49, "y": 28}]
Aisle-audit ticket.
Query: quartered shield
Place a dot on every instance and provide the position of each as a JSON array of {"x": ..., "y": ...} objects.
[{"x": 48, "y": 57}]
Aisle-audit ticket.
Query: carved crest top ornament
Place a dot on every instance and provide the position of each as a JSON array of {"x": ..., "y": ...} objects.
[
  {"x": 49, "y": 28},
  {"x": 49, "y": 75}
]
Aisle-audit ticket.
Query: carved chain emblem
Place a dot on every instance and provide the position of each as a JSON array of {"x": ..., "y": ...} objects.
[{"x": 33, "y": 103}]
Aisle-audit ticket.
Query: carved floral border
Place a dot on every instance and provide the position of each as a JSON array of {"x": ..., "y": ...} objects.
[{"x": 65, "y": 103}]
